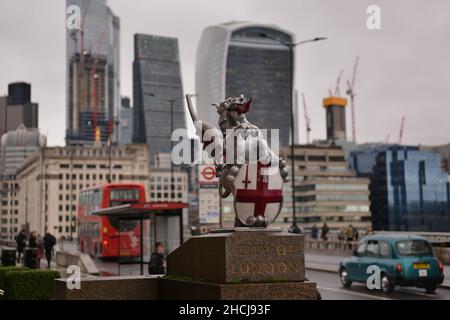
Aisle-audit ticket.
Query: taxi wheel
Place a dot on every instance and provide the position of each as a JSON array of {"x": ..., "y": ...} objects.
[
  {"x": 343, "y": 277},
  {"x": 431, "y": 288},
  {"x": 386, "y": 284}
]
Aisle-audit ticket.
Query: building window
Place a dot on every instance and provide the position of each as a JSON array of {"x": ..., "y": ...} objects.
[{"x": 316, "y": 158}]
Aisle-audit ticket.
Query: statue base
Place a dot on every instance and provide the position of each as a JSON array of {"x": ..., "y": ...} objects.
[
  {"x": 259, "y": 263},
  {"x": 244, "y": 229}
]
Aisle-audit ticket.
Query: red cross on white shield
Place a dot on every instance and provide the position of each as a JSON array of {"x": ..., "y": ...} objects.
[{"x": 258, "y": 193}]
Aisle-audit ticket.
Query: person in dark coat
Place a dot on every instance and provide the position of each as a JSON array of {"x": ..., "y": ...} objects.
[
  {"x": 49, "y": 243},
  {"x": 21, "y": 241},
  {"x": 325, "y": 231},
  {"x": 314, "y": 232},
  {"x": 157, "y": 263},
  {"x": 32, "y": 240}
]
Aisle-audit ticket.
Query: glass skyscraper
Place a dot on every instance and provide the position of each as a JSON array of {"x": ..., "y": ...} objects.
[
  {"x": 409, "y": 188},
  {"x": 233, "y": 59},
  {"x": 157, "y": 88},
  {"x": 92, "y": 74}
]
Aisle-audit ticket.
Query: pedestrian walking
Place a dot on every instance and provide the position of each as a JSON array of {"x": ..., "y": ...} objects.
[
  {"x": 32, "y": 240},
  {"x": 355, "y": 234},
  {"x": 349, "y": 233},
  {"x": 40, "y": 249},
  {"x": 325, "y": 231},
  {"x": 314, "y": 232},
  {"x": 49, "y": 243},
  {"x": 157, "y": 264},
  {"x": 341, "y": 235},
  {"x": 21, "y": 239}
]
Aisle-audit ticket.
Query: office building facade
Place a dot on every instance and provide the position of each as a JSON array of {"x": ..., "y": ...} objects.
[
  {"x": 157, "y": 91},
  {"x": 326, "y": 190},
  {"x": 409, "y": 188},
  {"x": 51, "y": 180},
  {"x": 92, "y": 74},
  {"x": 444, "y": 151},
  {"x": 233, "y": 59}
]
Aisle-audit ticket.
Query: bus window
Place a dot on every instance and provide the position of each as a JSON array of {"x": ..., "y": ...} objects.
[{"x": 124, "y": 194}]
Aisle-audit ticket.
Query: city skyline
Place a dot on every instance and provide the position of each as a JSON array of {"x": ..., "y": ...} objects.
[{"x": 391, "y": 82}]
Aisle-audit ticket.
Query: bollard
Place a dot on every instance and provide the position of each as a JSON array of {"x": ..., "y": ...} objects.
[
  {"x": 30, "y": 258},
  {"x": 8, "y": 257}
]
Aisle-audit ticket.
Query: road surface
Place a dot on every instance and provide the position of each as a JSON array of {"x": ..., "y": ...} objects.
[{"x": 331, "y": 289}]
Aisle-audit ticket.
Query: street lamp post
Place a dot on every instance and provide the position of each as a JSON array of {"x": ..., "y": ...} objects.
[
  {"x": 294, "y": 228},
  {"x": 172, "y": 191}
]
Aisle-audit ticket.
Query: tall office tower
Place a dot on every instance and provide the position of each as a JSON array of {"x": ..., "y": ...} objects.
[
  {"x": 125, "y": 122},
  {"x": 19, "y": 93},
  {"x": 335, "y": 117},
  {"x": 157, "y": 91},
  {"x": 92, "y": 74},
  {"x": 233, "y": 59},
  {"x": 16, "y": 108},
  {"x": 409, "y": 189}
]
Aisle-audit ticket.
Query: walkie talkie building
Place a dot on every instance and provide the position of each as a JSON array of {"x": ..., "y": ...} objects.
[{"x": 235, "y": 58}]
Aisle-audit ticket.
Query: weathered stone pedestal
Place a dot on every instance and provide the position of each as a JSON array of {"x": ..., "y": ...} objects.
[{"x": 244, "y": 264}]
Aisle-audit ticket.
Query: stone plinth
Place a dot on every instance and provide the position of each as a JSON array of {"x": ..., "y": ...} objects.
[
  {"x": 244, "y": 264},
  {"x": 174, "y": 289},
  {"x": 236, "y": 257}
]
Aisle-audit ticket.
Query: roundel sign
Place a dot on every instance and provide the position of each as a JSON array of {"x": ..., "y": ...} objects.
[{"x": 207, "y": 173}]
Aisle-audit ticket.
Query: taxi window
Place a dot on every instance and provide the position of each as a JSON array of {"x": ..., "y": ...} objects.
[
  {"x": 361, "y": 249},
  {"x": 414, "y": 247},
  {"x": 384, "y": 250},
  {"x": 372, "y": 248}
]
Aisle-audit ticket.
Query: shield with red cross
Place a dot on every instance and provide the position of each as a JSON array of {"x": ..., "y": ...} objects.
[{"x": 258, "y": 192}]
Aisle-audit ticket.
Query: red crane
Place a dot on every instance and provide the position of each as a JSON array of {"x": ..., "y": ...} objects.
[{"x": 94, "y": 84}]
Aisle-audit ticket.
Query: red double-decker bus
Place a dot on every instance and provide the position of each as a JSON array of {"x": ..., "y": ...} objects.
[{"x": 98, "y": 236}]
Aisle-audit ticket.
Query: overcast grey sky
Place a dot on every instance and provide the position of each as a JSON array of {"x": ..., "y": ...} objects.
[{"x": 404, "y": 67}]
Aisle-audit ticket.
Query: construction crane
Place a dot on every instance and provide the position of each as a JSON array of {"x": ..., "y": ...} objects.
[
  {"x": 352, "y": 94},
  {"x": 307, "y": 119},
  {"x": 337, "y": 90},
  {"x": 402, "y": 127},
  {"x": 94, "y": 85}
]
